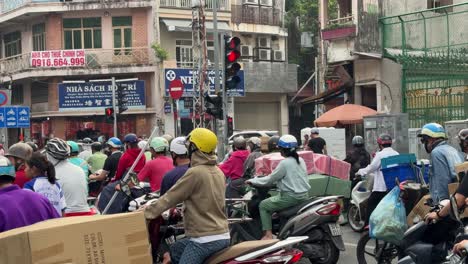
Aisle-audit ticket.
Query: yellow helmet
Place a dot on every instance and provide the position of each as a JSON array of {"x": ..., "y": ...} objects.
[{"x": 204, "y": 139}]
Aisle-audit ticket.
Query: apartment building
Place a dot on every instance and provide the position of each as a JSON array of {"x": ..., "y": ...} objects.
[
  {"x": 58, "y": 56},
  {"x": 268, "y": 77}
]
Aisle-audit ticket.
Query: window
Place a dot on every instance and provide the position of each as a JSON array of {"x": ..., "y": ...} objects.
[
  {"x": 440, "y": 3},
  {"x": 39, "y": 37},
  {"x": 12, "y": 43},
  {"x": 39, "y": 92},
  {"x": 122, "y": 27},
  {"x": 82, "y": 33},
  {"x": 17, "y": 95},
  {"x": 184, "y": 53}
]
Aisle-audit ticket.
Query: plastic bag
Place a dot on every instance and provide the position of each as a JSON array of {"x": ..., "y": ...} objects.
[{"x": 388, "y": 220}]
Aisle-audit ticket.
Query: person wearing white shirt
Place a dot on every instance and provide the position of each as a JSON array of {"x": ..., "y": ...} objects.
[{"x": 379, "y": 189}]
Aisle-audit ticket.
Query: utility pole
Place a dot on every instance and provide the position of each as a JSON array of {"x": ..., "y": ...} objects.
[
  {"x": 114, "y": 86},
  {"x": 216, "y": 45},
  {"x": 224, "y": 138}
]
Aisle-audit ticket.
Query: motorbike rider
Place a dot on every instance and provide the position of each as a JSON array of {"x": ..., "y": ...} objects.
[
  {"x": 110, "y": 165},
  {"x": 202, "y": 189},
  {"x": 70, "y": 177},
  {"x": 291, "y": 178},
  {"x": 463, "y": 138},
  {"x": 128, "y": 158},
  {"x": 155, "y": 169},
  {"x": 18, "y": 154},
  {"x": 233, "y": 168},
  {"x": 143, "y": 144},
  {"x": 273, "y": 144},
  {"x": 74, "y": 159},
  {"x": 180, "y": 159},
  {"x": 379, "y": 189},
  {"x": 33, "y": 146},
  {"x": 443, "y": 160},
  {"x": 316, "y": 143},
  {"x": 358, "y": 158},
  {"x": 254, "y": 144},
  {"x": 20, "y": 207},
  {"x": 85, "y": 154}
]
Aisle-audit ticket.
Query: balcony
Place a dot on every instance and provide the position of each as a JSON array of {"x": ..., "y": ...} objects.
[
  {"x": 9, "y": 5},
  {"x": 95, "y": 59},
  {"x": 339, "y": 28},
  {"x": 255, "y": 14},
  {"x": 223, "y": 5}
]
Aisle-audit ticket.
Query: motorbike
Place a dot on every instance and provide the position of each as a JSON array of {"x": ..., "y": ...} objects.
[
  {"x": 370, "y": 250},
  {"x": 357, "y": 211},
  {"x": 315, "y": 218},
  {"x": 166, "y": 229},
  {"x": 422, "y": 252}
]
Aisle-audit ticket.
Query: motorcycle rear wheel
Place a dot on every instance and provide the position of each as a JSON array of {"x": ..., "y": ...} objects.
[
  {"x": 380, "y": 252},
  {"x": 332, "y": 254},
  {"x": 355, "y": 220}
]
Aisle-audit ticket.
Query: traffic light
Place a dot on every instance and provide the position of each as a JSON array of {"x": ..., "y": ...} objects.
[
  {"x": 214, "y": 106},
  {"x": 121, "y": 99},
  {"x": 230, "y": 126},
  {"x": 232, "y": 52},
  {"x": 109, "y": 112}
]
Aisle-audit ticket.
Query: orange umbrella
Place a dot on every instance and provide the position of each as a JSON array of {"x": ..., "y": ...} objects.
[{"x": 346, "y": 114}]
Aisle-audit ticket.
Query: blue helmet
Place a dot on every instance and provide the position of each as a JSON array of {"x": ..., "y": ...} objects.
[
  {"x": 6, "y": 168},
  {"x": 131, "y": 138},
  {"x": 433, "y": 130},
  {"x": 114, "y": 142},
  {"x": 287, "y": 142}
]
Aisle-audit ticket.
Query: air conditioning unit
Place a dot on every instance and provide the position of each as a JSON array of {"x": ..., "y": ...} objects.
[
  {"x": 266, "y": 2},
  {"x": 278, "y": 55},
  {"x": 250, "y": 2},
  {"x": 246, "y": 51},
  {"x": 264, "y": 42},
  {"x": 264, "y": 55}
]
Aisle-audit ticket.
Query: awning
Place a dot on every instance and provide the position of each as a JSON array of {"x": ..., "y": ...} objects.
[
  {"x": 185, "y": 25},
  {"x": 346, "y": 114},
  {"x": 324, "y": 96}
]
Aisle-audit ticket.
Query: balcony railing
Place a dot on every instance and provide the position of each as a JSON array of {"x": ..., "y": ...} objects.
[
  {"x": 253, "y": 14},
  {"x": 223, "y": 5},
  {"x": 339, "y": 28},
  {"x": 347, "y": 20},
  {"x": 8, "y": 5},
  {"x": 94, "y": 59}
]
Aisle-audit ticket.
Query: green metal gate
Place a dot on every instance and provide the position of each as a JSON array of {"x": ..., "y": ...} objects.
[{"x": 432, "y": 46}]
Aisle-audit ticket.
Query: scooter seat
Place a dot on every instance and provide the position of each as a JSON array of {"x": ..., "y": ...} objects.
[
  {"x": 287, "y": 213},
  {"x": 239, "y": 249}
]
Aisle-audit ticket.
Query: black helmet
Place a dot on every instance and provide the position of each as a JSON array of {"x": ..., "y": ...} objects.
[
  {"x": 273, "y": 143},
  {"x": 58, "y": 149},
  {"x": 96, "y": 146},
  {"x": 32, "y": 145},
  {"x": 131, "y": 138},
  {"x": 384, "y": 139}
]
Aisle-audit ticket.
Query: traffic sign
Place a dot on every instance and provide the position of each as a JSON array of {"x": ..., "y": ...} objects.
[
  {"x": 2, "y": 117},
  {"x": 11, "y": 117},
  {"x": 3, "y": 98},
  {"x": 167, "y": 108},
  {"x": 176, "y": 89},
  {"x": 15, "y": 117},
  {"x": 23, "y": 116}
]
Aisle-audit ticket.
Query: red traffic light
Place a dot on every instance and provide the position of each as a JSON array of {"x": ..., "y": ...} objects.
[
  {"x": 109, "y": 112},
  {"x": 233, "y": 43},
  {"x": 233, "y": 55}
]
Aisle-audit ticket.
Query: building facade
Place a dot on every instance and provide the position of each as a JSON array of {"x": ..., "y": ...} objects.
[
  {"x": 57, "y": 57},
  {"x": 267, "y": 75}
]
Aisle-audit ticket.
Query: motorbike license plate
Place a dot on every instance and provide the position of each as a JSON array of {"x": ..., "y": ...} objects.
[{"x": 335, "y": 229}]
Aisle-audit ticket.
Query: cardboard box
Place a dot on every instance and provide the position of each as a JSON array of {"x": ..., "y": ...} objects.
[
  {"x": 264, "y": 143},
  {"x": 120, "y": 238}
]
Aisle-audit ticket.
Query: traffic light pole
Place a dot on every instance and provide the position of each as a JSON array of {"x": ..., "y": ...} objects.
[
  {"x": 225, "y": 102},
  {"x": 113, "y": 106}
]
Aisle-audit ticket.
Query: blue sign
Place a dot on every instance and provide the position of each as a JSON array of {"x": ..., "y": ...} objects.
[
  {"x": 167, "y": 108},
  {"x": 11, "y": 115},
  {"x": 183, "y": 112},
  {"x": 98, "y": 95},
  {"x": 23, "y": 116},
  {"x": 2, "y": 117},
  {"x": 186, "y": 76}
]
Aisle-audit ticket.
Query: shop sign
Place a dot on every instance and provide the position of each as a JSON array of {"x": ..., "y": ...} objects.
[
  {"x": 98, "y": 95},
  {"x": 186, "y": 76},
  {"x": 58, "y": 58},
  {"x": 15, "y": 117}
]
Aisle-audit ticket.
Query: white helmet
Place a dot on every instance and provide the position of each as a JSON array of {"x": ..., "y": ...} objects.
[
  {"x": 287, "y": 142},
  {"x": 255, "y": 140},
  {"x": 314, "y": 130},
  {"x": 143, "y": 145},
  {"x": 178, "y": 146}
]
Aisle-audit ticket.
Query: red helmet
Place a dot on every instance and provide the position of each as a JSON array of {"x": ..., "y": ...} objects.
[{"x": 384, "y": 139}]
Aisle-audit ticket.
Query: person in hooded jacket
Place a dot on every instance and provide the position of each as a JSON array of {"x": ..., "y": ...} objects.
[
  {"x": 358, "y": 158},
  {"x": 128, "y": 158},
  {"x": 233, "y": 168}
]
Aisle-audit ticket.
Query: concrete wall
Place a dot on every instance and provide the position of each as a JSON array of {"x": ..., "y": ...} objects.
[{"x": 339, "y": 50}]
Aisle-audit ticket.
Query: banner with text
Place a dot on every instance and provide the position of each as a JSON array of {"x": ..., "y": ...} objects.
[
  {"x": 98, "y": 95},
  {"x": 186, "y": 76},
  {"x": 58, "y": 58}
]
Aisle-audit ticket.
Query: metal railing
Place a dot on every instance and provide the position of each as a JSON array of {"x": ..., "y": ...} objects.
[
  {"x": 94, "y": 59},
  {"x": 432, "y": 47},
  {"x": 253, "y": 14},
  {"x": 347, "y": 20},
  {"x": 223, "y": 5},
  {"x": 9, "y": 5}
]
